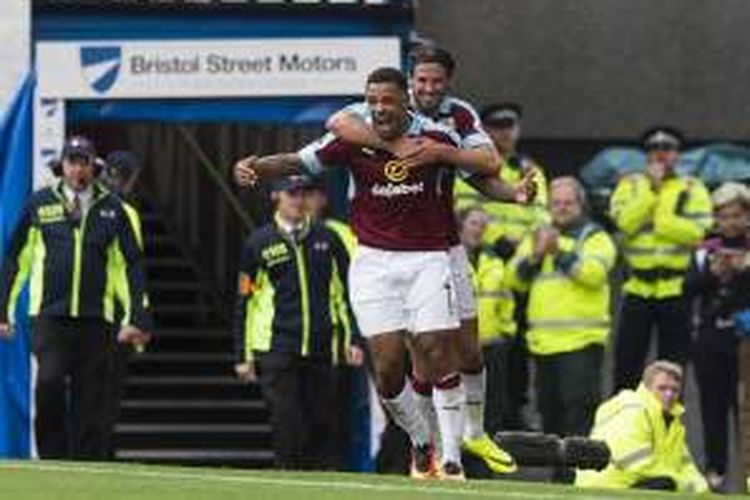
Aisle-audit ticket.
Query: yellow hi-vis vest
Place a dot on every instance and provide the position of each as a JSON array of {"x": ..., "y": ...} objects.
[
  {"x": 568, "y": 305},
  {"x": 511, "y": 220},
  {"x": 642, "y": 444},
  {"x": 659, "y": 230},
  {"x": 495, "y": 301},
  {"x": 343, "y": 320}
]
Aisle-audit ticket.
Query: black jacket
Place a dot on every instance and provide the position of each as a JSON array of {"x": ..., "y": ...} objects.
[
  {"x": 76, "y": 268},
  {"x": 292, "y": 295}
]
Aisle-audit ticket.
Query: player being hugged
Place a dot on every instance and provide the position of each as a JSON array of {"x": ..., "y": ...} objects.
[{"x": 400, "y": 278}]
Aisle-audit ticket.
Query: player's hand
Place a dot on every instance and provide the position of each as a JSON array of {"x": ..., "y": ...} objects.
[
  {"x": 6, "y": 331},
  {"x": 429, "y": 152},
  {"x": 354, "y": 356},
  {"x": 133, "y": 336},
  {"x": 418, "y": 152},
  {"x": 244, "y": 172},
  {"x": 525, "y": 191},
  {"x": 246, "y": 372}
]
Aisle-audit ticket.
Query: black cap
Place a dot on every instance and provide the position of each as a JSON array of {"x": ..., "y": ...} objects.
[
  {"x": 662, "y": 137},
  {"x": 291, "y": 183},
  {"x": 122, "y": 163},
  {"x": 505, "y": 114},
  {"x": 80, "y": 147}
]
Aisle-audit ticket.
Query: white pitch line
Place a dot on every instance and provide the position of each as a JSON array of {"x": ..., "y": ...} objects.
[{"x": 251, "y": 479}]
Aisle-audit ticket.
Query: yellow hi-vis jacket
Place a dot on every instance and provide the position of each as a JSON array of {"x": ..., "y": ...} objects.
[
  {"x": 495, "y": 301},
  {"x": 659, "y": 231},
  {"x": 511, "y": 220},
  {"x": 568, "y": 305},
  {"x": 643, "y": 446}
]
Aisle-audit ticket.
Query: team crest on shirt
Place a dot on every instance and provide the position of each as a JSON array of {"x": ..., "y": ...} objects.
[{"x": 396, "y": 171}]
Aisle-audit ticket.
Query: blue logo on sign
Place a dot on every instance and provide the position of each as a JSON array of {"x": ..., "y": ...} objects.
[{"x": 101, "y": 65}]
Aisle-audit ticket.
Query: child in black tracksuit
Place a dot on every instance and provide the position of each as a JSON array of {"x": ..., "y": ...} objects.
[{"x": 719, "y": 282}]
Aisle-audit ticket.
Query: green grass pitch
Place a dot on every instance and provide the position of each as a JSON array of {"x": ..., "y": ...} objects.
[{"x": 30, "y": 480}]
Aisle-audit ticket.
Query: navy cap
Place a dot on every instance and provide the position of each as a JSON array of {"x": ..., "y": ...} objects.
[
  {"x": 291, "y": 183},
  {"x": 79, "y": 146},
  {"x": 503, "y": 114},
  {"x": 662, "y": 137},
  {"x": 122, "y": 163}
]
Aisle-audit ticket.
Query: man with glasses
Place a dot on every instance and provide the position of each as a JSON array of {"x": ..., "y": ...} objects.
[{"x": 663, "y": 217}]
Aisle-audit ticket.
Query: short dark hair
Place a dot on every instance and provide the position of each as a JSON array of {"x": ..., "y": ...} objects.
[
  {"x": 389, "y": 75},
  {"x": 426, "y": 54}
]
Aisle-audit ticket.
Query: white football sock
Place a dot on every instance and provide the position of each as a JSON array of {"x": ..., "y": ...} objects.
[
  {"x": 449, "y": 408},
  {"x": 403, "y": 409},
  {"x": 474, "y": 388}
]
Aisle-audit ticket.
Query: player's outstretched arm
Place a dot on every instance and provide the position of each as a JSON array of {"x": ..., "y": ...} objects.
[
  {"x": 253, "y": 169},
  {"x": 497, "y": 189},
  {"x": 483, "y": 161},
  {"x": 426, "y": 151}
]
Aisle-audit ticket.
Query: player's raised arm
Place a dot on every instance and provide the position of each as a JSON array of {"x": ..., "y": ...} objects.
[
  {"x": 481, "y": 160},
  {"x": 495, "y": 188},
  {"x": 253, "y": 169}
]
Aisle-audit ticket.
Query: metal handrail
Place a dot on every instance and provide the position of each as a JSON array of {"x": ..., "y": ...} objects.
[{"x": 215, "y": 175}]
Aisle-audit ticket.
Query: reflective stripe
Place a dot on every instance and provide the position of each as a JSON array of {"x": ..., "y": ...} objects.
[
  {"x": 570, "y": 323},
  {"x": 698, "y": 216},
  {"x": 75, "y": 299},
  {"x": 496, "y": 295},
  {"x": 670, "y": 250},
  {"x": 554, "y": 275},
  {"x": 36, "y": 287},
  {"x": 25, "y": 263},
  {"x": 634, "y": 457},
  {"x": 302, "y": 273},
  {"x": 608, "y": 419}
]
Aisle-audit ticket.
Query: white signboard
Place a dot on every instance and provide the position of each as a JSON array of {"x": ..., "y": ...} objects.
[
  {"x": 49, "y": 134},
  {"x": 15, "y": 25},
  {"x": 211, "y": 68}
]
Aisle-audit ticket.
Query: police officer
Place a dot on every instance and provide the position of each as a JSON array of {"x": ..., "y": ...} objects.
[
  {"x": 292, "y": 272},
  {"x": 77, "y": 248},
  {"x": 565, "y": 267},
  {"x": 663, "y": 217}
]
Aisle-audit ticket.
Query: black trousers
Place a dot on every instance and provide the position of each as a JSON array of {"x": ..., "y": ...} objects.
[
  {"x": 717, "y": 375},
  {"x": 118, "y": 369},
  {"x": 301, "y": 395},
  {"x": 72, "y": 390},
  {"x": 499, "y": 412},
  {"x": 636, "y": 321},
  {"x": 568, "y": 390},
  {"x": 518, "y": 368}
]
